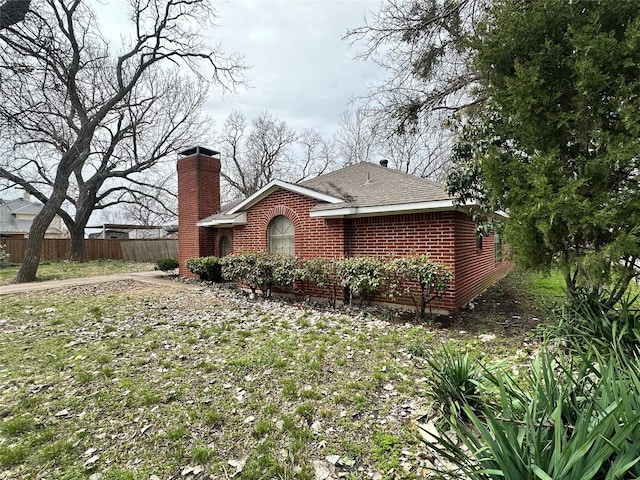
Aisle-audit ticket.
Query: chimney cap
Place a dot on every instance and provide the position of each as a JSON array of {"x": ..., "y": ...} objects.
[
  {"x": 199, "y": 151},
  {"x": 384, "y": 163}
]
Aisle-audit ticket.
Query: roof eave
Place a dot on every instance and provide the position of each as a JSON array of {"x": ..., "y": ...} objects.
[
  {"x": 433, "y": 206},
  {"x": 239, "y": 219}
]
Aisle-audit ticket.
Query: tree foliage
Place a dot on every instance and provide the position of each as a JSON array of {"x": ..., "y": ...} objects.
[
  {"x": 12, "y": 12},
  {"x": 423, "y": 46},
  {"x": 557, "y": 144}
]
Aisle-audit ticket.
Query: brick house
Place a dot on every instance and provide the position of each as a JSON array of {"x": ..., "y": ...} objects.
[{"x": 363, "y": 209}]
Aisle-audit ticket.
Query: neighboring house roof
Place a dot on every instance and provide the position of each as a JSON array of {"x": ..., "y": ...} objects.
[
  {"x": 11, "y": 225},
  {"x": 20, "y": 205},
  {"x": 361, "y": 189}
]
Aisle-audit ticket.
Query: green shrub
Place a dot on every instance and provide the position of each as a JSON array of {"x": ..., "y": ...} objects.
[
  {"x": 260, "y": 270},
  {"x": 4, "y": 256},
  {"x": 208, "y": 268},
  {"x": 322, "y": 272},
  {"x": 167, "y": 264},
  {"x": 420, "y": 278},
  {"x": 362, "y": 276}
]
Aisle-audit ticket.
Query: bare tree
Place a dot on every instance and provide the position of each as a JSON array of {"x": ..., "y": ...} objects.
[
  {"x": 358, "y": 137},
  {"x": 423, "y": 46},
  {"x": 269, "y": 145},
  {"x": 316, "y": 155},
  {"x": 421, "y": 150},
  {"x": 161, "y": 116},
  {"x": 65, "y": 95},
  {"x": 267, "y": 149},
  {"x": 253, "y": 155},
  {"x": 154, "y": 205}
]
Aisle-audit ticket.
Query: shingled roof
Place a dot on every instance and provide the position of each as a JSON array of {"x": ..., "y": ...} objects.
[
  {"x": 367, "y": 185},
  {"x": 361, "y": 189}
]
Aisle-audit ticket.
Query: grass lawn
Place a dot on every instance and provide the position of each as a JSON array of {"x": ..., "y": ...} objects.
[
  {"x": 128, "y": 380},
  {"x": 64, "y": 270}
]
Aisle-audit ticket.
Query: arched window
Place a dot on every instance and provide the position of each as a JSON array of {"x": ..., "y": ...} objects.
[
  {"x": 225, "y": 246},
  {"x": 281, "y": 236}
]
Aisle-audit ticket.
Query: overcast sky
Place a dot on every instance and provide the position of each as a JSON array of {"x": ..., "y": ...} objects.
[{"x": 302, "y": 71}]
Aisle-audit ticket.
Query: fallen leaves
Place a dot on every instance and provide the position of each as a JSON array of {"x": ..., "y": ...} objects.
[
  {"x": 164, "y": 370},
  {"x": 238, "y": 464},
  {"x": 197, "y": 470}
]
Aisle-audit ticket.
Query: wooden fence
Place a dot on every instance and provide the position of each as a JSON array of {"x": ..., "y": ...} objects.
[
  {"x": 55, "y": 249},
  {"x": 149, "y": 250}
]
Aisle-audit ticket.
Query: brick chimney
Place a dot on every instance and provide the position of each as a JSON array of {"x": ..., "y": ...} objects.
[{"x": 198, "y": 197}]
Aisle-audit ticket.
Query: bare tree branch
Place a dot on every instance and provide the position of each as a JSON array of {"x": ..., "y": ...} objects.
[
  {"x": 86, "y": 115},
  {"x": 268, "y": 149}
]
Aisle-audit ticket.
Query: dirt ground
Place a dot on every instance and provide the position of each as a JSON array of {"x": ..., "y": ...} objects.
[{"x": 505, "y": 309}]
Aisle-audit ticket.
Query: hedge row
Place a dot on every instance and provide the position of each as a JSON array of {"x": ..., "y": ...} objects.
[{"x": 414, "y": 276}]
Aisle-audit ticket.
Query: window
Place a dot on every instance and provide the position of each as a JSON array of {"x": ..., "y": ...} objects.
[
  {"x": 281, "y": 236},
  {"x": 225, "y": 246},
  {"x": 498, "y": 244}
]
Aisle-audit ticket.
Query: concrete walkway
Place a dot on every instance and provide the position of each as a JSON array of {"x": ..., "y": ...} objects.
[{"x": 155, "y": 276}]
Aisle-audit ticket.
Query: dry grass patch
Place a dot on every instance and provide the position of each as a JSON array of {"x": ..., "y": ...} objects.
[
  {"x": 128, "y": 380},
  {"x": 65, "y": 270}
]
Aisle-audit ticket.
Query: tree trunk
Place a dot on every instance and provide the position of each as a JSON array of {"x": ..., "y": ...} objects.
[
  {"x": 41, "y": 222},
  {"x": 84, "y": 208},
  {"x": 569, "y": 281},
  {"x": 76, "y": 251}
]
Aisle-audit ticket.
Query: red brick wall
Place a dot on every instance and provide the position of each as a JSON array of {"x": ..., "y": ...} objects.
[
  {"x": 198, "y": 197},
  {"x": 475, "y": 269},
  {"x": 420, "y": 233},
  {"x": 448, "y": 237},
  {"x": 313, "y": 236}
]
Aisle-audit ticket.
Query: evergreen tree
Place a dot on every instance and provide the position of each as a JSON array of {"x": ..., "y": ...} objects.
[{"x": 557, "y": 142}]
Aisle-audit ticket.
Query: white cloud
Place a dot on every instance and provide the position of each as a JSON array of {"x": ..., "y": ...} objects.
[{"x": 303, "y": 71}]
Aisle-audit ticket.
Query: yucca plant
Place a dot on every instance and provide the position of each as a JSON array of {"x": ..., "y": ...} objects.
[
  {"x": 454, "y": 382},
  {"x": 554, "y": 379},
  {"x": 587, "y": 321},
  {"x": 531, "y": 435}
]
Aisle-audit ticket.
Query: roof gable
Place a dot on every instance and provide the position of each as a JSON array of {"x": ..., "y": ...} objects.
[{"x": 279, "y": 184}]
